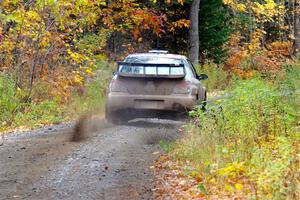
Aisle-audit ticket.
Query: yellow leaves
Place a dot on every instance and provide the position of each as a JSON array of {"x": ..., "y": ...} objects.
[
  {"x": 89, "y": 71},
  {"x": 228, "y": 2},
  {"x": 83, "y": 71},
  {"x": 170, "y": 1},
  {"x": 45, "y": 40},
  {"x": 78, "y": 79},
  {"x": 232, "y": 170},
  {"x": 81, "y": 74},
  {"x": 33, "y": 15},
  {"x": 265, "y": 12},
  {"x": 235, "y": 5},
  {"x": 270, "y": 4},
  {"x": 255, "y": 42},
  {"x": 7, "y": 45},
  {"x": 77, "y": 57},
  {"x": 9, "y": 5},
  {"x": 175, "y": 183},
  {"x": 14, "y": 16},
  {"x": 100, "y": 57},
  {"x": 43, "y": 3},
  {"x": 238, "y": 186},
  {"x": 180, "y": 2},
  {"x": 241, "y": 7},
  {"x": 271, "y": 163}
]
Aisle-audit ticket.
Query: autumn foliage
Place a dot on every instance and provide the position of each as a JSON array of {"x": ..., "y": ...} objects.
[{"x": 57, "y": 57}]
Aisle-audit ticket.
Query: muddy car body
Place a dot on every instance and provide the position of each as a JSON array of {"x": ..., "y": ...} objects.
[{"x": 154, "y": 84}]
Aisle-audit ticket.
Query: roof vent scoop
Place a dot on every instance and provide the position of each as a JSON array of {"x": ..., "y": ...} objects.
[{"x": 159, "y": 51}]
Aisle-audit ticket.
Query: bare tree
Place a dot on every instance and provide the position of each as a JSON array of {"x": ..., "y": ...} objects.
[{"x": 194, "y": 32}]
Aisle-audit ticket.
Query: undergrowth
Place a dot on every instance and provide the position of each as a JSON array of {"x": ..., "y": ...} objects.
[
  {"x": 248, "y": 141},
  {"x": 93, "y": 98},
  {"x": 218, "y": 79},
  {"x": 16, "y": 111}
]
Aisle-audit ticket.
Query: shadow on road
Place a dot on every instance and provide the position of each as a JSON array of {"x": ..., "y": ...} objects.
[{"x": 154, "y": 123}]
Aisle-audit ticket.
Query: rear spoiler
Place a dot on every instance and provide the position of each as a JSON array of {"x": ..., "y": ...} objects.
[{"x": 151, "y": 70}]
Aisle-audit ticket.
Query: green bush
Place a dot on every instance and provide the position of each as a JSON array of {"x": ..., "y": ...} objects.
[
  {"x": 39, "y": 114},
  {"x": 9, "y": 101},
  {"x": 14, "y": 111},
  {"x": 92, "y": 100},
  {"x": 253, "y": 131},
  {"x": 217, "y": 77}
]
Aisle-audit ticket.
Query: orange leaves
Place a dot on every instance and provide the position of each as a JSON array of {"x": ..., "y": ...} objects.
[
  {"x": 130, "y": 17},
  {"x": 181, "y": 23},
  {"x": 170, "y": 1},
  {"x": 236, "y": 53},
  {"x": 246, "y": 59},
  {"x": 272, "y": 57},
  {"x": 279, "y": 49}
]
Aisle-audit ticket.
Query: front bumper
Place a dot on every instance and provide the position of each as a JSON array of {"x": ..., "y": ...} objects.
[{"x": 122, "y": 101}]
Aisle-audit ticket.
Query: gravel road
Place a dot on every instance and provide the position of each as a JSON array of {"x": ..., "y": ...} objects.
[{"x": 113, "y": 162}]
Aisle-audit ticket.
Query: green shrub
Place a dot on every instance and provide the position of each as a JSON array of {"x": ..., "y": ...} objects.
[
  {"x": 39, "y": 114},
  {"x": 217, "y": 77},
  {"x": 9, "y": 101},
  {"x": 14, "y": 111},
  {"x": 93, "y": 98},
  {"x": 252, "y": 131}
]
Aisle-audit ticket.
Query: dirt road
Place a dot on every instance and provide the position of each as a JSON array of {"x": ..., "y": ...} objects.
[{"x": 112, "y": 163}]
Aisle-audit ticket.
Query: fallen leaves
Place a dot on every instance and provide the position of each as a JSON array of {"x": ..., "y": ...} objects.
[
  {"x": 177, "y": 180},
  {"x": 172, "y": 183}
]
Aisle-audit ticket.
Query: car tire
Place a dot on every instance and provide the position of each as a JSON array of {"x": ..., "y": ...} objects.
[{"x": 204, "y": 102}]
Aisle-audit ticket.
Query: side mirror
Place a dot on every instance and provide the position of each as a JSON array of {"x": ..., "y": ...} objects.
[
  {"x": 114, "y": 73},
  {"x": 202, "y": 77}
]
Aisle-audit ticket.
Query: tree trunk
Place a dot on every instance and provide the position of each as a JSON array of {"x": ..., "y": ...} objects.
[
  {"x": 194, "y": 32},
  {"x": 296, "y": 44}
]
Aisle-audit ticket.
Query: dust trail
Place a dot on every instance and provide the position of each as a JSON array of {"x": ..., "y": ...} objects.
[
  {"x": 86, "y": 124},
  {"x": 80, "y": 129}
]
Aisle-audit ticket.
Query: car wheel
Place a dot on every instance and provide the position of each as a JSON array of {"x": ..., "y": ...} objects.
[
  {"x": 203, "y": 103},
  {"x": 111, "y": 118}
]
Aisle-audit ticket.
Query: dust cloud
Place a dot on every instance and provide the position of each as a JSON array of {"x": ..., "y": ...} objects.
[{"x": 86, "y": 124}]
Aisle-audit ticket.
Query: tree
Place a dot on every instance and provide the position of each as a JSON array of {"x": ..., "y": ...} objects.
[
  {"x": 214, "y": 30},
  {"x": 194, "y": 32},
  {"x": 296, "y": 13}
]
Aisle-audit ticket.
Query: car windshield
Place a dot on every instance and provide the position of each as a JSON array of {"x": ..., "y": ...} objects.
[
  {"x": 152, "y": 70},
  {"x": 153, "y": 60}
]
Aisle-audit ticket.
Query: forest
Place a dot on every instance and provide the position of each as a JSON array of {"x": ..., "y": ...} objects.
[{"x": 57, "y": 57}]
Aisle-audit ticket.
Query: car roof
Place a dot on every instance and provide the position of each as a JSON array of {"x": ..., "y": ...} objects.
[{"x": 159, "y": 55}]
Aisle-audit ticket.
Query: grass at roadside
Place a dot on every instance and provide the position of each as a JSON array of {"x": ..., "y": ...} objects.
[
  {"x": 92, "y": 100},
  {"x": 15, "y": 112},
  {"x": 246, "y": 144}
]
